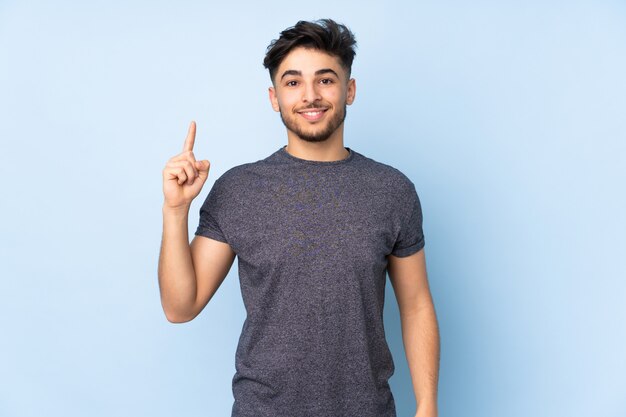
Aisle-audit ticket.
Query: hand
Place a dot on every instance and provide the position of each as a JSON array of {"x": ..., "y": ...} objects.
[{"x": 183, "y": 176}]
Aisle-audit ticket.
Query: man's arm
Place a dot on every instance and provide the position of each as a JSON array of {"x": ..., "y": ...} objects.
[
  {"x": 420, "y": 331},
  {"x": 189, "y": 275}
]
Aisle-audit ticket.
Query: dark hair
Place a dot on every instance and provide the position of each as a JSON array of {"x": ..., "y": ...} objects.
[{"x": 325, "y": 35}]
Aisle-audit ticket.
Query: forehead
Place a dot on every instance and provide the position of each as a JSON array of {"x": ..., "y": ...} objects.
[{"x": 309, "y": 60}]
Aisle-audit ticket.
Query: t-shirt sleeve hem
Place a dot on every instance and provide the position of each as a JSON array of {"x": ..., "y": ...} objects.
[
  {"x": 409, "y": 250},
  {"x": 202, "y": 231}
]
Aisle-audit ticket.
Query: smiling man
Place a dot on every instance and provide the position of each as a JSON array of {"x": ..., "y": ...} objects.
[
  {"x": 311, "y": 99},
  {"x": 315, "y": 227}
]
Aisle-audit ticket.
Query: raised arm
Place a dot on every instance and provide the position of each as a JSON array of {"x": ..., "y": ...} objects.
[{"x": 189, "y": 275}]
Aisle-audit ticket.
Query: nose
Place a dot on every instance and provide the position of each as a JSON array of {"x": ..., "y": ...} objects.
[{"x": 311, "y": 94}]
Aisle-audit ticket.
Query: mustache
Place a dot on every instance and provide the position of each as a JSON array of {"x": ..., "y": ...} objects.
[{"x": 315, "y": 105}]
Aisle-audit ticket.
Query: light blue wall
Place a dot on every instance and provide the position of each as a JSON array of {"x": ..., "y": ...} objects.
[{"x": 509, "y": 117}]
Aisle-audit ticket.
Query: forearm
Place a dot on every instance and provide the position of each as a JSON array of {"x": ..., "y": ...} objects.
[
  {"x": 177, "y": 279},
  {"x": 420, "y": 335}
]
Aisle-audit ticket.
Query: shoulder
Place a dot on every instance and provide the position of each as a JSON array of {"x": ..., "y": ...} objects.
[
  {"x": 387, "y": 175},
  {"x": 240, "y": 175}
]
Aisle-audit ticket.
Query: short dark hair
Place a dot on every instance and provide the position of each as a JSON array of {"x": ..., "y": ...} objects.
[{"x": 325, "y": 35}]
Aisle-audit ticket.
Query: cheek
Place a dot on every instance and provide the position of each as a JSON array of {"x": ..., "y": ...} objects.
[
  {"x": 335, "y": 96},
  {"x": 287, "y": 100}
]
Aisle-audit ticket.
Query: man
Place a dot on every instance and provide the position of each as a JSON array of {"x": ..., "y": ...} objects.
[{"x": 316, "y": 226}]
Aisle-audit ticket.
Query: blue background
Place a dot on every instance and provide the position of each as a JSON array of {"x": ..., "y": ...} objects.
[{"x": 507, "y": 116}]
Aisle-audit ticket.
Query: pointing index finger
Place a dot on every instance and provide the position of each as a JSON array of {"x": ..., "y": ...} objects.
[{"x": 191, "y": 137}]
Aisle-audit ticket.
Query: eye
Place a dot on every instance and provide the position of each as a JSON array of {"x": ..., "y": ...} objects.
[
  {"x": 326, "y": 81},
  {"x": 291, "y": 83}
]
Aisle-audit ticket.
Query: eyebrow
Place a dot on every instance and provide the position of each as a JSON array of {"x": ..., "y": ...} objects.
[{"x": 318, "y": 72}]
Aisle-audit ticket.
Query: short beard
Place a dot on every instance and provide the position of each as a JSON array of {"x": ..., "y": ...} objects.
[{"x": 333, "y": 125}]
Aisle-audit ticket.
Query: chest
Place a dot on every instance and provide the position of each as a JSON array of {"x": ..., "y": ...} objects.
[{"x": 312, "y": 220}]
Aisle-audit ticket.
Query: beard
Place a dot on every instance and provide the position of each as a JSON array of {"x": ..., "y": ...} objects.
[{"x": 332, "y": 125}]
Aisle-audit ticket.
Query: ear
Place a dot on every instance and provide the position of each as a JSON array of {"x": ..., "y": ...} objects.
[
  {"x": 273, "y": 98},
  {"x": 351, "y": 94}
]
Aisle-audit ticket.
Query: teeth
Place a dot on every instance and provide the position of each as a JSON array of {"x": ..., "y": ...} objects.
[{"x": 312, "y": 113}]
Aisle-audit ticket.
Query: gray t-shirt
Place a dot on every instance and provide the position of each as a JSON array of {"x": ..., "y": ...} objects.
[{"x": 311, "y": 239}]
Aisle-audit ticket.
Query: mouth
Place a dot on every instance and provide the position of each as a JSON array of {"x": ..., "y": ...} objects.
[{"x": 312, "y": 115}]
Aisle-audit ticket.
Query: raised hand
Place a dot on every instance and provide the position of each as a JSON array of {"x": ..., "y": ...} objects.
[{"x": 183, "y": 176}]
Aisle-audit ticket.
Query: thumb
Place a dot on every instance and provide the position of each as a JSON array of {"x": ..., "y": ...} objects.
[{"x": 203, "y": 168}]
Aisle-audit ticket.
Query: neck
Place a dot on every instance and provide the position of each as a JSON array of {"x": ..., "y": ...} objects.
[{"x": 331, "y": 149}]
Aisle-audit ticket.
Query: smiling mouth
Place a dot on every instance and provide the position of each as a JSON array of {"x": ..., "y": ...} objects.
[{"x": 312, "y": 114}]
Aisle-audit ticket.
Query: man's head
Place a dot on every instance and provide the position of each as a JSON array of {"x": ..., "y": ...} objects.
[
  {"x": 325, "y": 35},
  {"x": 310, "y": 66}
]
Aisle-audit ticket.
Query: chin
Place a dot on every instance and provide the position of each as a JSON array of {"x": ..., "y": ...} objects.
[
  {"x": 320, "y": 135},
  {"x": 316, "y": 133}
]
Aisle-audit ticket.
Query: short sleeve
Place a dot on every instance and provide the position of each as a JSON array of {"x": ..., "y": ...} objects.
[
  {"x": 210, "y": 214},
  {"x": 411, "y": 236}
]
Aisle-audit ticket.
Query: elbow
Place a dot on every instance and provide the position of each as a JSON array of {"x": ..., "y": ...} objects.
[
  {"x": 177, "y": 316},
  {"x": 177, "y": 319}
]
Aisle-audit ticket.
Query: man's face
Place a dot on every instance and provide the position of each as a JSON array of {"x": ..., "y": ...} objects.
[{"x": 311, "y": 90}]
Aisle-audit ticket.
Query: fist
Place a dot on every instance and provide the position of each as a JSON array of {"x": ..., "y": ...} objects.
[{"x": 183, "y": 176}]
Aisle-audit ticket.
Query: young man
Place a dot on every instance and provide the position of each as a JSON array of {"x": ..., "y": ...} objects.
[{"x": 315, "y": 226}]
